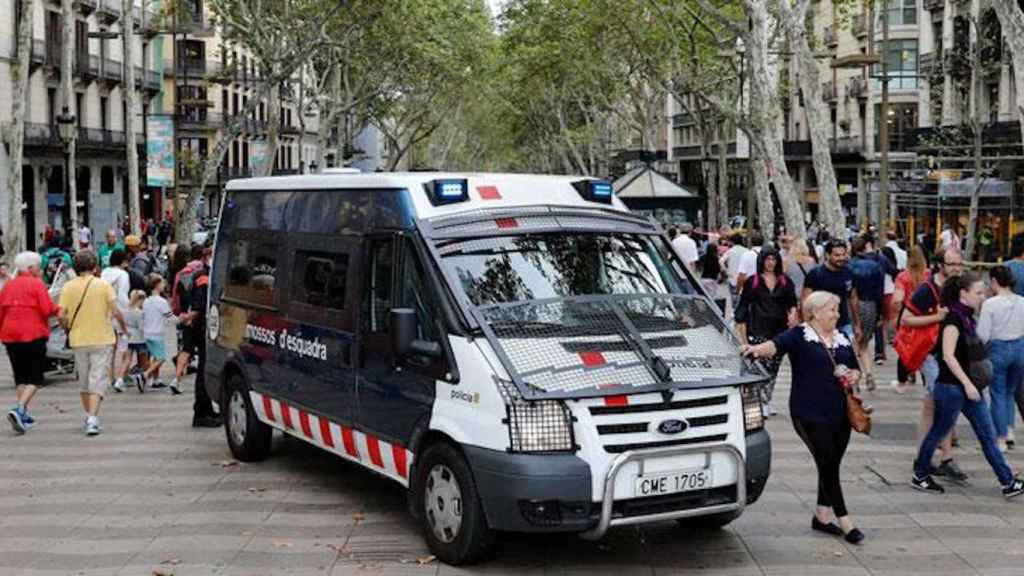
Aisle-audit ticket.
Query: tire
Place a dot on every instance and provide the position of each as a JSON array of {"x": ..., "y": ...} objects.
[
  {"x": 710, "y": 522},
  {"x": 248, "y": 438},
  {"x": 448, "y": 507}
]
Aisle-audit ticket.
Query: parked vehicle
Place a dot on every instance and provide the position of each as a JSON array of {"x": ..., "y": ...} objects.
[{"x": 520, "y": 352}]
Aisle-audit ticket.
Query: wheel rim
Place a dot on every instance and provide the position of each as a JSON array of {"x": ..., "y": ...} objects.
[
  {"x": 237, "y": 418},
  {"x": 443, "y": 501}
]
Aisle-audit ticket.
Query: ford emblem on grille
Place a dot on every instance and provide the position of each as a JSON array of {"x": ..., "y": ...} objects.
[{"x": 673, "y": 426}]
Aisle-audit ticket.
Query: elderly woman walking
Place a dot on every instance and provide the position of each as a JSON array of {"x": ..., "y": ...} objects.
[
  {"x": 824, "y": 366},
  {"x": 25, "y": 307}
]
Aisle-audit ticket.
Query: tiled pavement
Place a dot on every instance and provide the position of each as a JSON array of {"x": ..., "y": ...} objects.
[{"x": 153, "y": 496}]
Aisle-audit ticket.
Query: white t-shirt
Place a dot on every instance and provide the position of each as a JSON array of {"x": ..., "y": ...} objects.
[
  {"x": 731, "y": 262},
  {"x": 686, "y": 248},
  {"x": 84, "y": 235},
  {"x": 119, "y": 281},
  {"x": 156, "y": 314},
  {"x": 748, "y": 264},
  {"x": 949, "y": 238},
  {"x": 901, "y": 254}
]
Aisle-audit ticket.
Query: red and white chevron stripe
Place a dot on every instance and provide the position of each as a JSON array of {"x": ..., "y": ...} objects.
[{"x": 391, "y": 460}]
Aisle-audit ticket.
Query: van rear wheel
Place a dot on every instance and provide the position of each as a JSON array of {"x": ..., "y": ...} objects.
[
  {"x": 248, "y": 438},
  {"x": 449, "y": 507}
]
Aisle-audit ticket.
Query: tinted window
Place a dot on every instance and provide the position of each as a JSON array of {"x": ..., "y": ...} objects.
[
  {"x": 377, "y": 299},
  {"x": 417, "y": 295},
  {"x": 252, "y": 272},
  {"x": 320, "y": 279}
]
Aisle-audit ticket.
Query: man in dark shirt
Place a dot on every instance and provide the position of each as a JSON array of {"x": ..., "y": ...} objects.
[
  {"x": 835, "y": 276},
  {"x": 203, "y": 415}
]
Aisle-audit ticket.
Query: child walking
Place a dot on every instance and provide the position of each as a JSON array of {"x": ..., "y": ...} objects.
[
  {"x": 156, "y": 315},
  {"x": 136, "y": 339}
]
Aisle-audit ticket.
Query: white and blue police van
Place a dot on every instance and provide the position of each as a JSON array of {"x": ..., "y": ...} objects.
[{"x": 520, "y": 352}]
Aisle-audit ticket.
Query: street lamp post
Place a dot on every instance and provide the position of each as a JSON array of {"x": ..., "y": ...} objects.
[{"x": 66, "y": 128}]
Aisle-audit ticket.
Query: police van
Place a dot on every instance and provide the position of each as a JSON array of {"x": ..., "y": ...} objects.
[{"x": 520, "y": 352}]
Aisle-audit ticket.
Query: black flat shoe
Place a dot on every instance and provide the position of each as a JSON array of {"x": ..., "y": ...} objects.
[
  {"x": 827, "y": 528},
  {"x": 854, "y": 536}
]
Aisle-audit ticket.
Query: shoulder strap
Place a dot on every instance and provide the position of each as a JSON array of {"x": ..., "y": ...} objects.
[{"x": 79, "y": 307}]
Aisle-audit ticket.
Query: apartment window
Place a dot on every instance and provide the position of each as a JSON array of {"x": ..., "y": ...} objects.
[
  {"x": 937, "y": 36},
  {"x": 104, "y": 113},
  {"x": 901, "y": 13},
  {"x": 192, "y": 100},
  {"x": 224, "y": 101},
  {"x": 902, "y": 60},
  {"x": 125, "y": 119},
  {"x": 51, "y": 104},
  {"x": 53, "y": 38},
  {"x": 234, "y": 102},
  {"x": 902, "y": 119},
  {"x": 245, "y": 154},
  {"x": 81, "y": 47},
  {"x": 993, "y": 103},
  {"x": 80, "y": 108}
]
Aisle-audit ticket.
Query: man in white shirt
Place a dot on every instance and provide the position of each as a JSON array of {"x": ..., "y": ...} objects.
[
  {"x": 117, "y": 276},
  {"x": 731, "y": 260},
  {"x": 901, "y": 254},
  {"x": 686, "y": 247},
  {"x": 748, "y": 263},
  {"x": 84, "y": 237}
]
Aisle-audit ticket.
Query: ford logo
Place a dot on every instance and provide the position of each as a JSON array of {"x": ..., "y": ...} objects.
[{"x": 673, "y": 426}]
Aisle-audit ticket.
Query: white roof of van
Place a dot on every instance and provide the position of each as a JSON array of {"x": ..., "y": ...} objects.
[{"x": 485, "y": 190}]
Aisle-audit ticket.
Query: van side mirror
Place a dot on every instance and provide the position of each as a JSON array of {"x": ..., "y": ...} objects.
[{"x": 404, "y": 343}]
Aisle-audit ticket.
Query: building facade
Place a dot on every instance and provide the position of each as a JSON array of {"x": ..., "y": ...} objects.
[{"x": 98, "y": 105}]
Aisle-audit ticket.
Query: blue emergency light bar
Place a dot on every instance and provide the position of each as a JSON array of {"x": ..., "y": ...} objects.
[
  {"x": 594, "y": 190},
  {"x": 447, "y": 191}
]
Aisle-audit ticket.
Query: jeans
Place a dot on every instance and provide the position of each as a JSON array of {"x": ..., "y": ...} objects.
[
  {"x": 950, "y": 401},
  {"x": 930, "y": 372},
  {"x": 1007, "y": 374}
]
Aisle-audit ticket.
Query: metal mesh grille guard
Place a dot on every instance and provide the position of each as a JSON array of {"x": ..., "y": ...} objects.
[{"x": 604, "y": 345}]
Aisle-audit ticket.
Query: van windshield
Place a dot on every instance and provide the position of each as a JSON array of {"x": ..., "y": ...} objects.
[{"x": 521, "y": 268}]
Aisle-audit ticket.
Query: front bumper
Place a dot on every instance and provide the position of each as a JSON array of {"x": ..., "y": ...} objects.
[{"x": 552, "y": 492}]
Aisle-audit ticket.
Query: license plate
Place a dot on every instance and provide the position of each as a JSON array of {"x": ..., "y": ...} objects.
[{"x": 672, "y": 482}]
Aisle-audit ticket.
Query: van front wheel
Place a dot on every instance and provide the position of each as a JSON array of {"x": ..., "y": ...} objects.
[
  {"x": 248, "y": 438},
  {"x": 449, "y": 507}
]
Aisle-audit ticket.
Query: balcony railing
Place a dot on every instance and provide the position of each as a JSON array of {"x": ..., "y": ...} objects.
[
  {"x": 192, "y": 118},
  {"x": 53, "y": 52},
  {"x": 86, "y": 7},
  {"x": 39, "y": 134},
  {"x": 846, "y": 145},
  {"x": 230, "y": 172},
  {"x": 87, "y": 66},
  {"x": 926, "y": 62},
  {"x": 290, "y": 129},
  {"x": 109, "y": 10},
  {"x": 934, "y": 5},
  {"x": 111, "y": 70},
  {"x": 860, "y": 25}
]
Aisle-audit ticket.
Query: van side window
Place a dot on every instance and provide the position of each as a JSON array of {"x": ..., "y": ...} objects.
[
  {"x": 252, "y": 272},
  {"x": 320, "y": 279},
  {"x": 378, "y": 299},
  {"x": 417, "y": 296}
]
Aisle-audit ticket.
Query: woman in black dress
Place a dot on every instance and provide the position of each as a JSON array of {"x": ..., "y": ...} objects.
[{"x": 767, "y": 308}]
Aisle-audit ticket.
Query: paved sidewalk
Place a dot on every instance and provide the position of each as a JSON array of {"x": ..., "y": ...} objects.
[{"x": 153, "y": 496}]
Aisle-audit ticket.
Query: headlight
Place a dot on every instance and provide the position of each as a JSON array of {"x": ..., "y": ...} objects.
[
  {"x": 543, "y": 426},
  {"x": 753, "y": 417}
]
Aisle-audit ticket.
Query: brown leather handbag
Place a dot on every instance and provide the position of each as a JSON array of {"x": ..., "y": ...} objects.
[{"x": 858, "y": 415}]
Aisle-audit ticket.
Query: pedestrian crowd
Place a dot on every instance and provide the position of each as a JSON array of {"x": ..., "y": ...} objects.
[
  {"x": 822, "y": 302},
  {"x": 107, "y": 308}
]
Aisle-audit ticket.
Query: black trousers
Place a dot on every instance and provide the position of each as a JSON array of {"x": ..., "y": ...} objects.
[
  {"x": 827, "y": 443},
  {"x": 202, "y": 406},
  {"x": 902, "y": 374}
]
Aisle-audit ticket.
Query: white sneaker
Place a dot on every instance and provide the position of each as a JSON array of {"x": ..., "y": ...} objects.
[
  {"x": 119, "y": 385},
  {"x": 174, "y": 387},
  {"x": 92, "y": 426}
]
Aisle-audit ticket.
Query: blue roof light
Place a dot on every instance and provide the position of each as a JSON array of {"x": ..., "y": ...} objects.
[
  {"x": 448, "y": 191},
  {"x": 595, "y": 190}
]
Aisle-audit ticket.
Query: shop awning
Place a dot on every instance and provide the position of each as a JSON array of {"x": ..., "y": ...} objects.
[{"x": 990, "y": 188}]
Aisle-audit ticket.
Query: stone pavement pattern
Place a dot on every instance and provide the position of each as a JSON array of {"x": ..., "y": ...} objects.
[{"x": 153, "y": 496}]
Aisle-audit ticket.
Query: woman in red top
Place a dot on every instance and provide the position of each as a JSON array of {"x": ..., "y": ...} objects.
[
  {"x": 25, "y": 306},
  {"x": 907, "y": 282}
]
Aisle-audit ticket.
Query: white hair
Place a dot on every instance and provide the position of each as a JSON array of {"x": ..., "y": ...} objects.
[
  {"x": 25, "y": 260},
  {"x": 816, "y": 301}
]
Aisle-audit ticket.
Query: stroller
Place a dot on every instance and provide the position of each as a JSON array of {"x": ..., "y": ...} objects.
[{"x": 60, "y": 360}]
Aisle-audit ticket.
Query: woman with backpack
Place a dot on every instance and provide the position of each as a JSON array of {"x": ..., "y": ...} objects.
[
  {"x": 907, "y": 282},
  {"x": 766, "y": 309}
]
